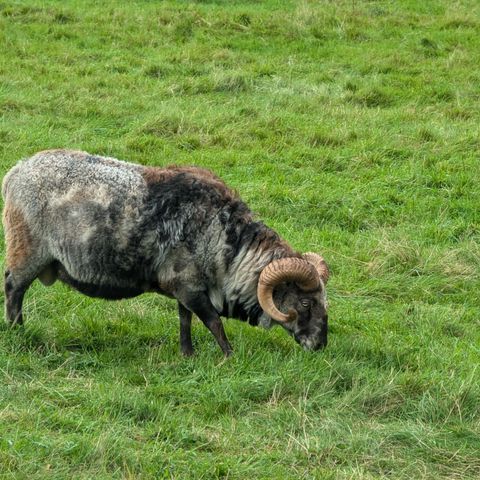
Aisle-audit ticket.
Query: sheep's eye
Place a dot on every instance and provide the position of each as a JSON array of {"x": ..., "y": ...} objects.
[{"x": 305, "y": 302}]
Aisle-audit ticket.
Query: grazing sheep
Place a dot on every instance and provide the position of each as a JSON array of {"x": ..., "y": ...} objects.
[{"x": 113, "y": 229}]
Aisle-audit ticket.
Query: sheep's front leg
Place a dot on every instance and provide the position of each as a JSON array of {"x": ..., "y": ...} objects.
[
  {"x": 201, "y": 306},
  {"x": 185, "y": 315}
]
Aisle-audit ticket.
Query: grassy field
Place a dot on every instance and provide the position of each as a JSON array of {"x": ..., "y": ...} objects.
[{"x": 353, "y": 129}]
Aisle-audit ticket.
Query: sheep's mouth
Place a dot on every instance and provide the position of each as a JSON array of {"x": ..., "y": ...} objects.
[{"x": 311, "y": 343}]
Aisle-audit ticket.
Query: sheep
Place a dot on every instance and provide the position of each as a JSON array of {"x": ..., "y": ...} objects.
[{"x": 113, "y": 229}]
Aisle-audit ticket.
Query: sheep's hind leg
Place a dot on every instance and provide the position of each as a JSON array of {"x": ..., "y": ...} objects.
[
  {"x": 14, "y": 293},
  {"x": 185, "y": 330},
  {"x": 17, "y": 282}
]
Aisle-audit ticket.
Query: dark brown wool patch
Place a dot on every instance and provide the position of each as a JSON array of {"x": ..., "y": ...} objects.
[
  {"x": 192, "y": 174},
  {"x": 153, "y": 175},
  {"x": 208, "y": 177},
  {"x": 17, "y": 237}
]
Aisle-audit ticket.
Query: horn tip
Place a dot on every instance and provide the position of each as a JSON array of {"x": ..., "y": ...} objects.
[{"x": 292, "y": 315}]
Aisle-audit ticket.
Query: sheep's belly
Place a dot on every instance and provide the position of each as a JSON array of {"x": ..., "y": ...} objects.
[{"x": 108, "y": 292}]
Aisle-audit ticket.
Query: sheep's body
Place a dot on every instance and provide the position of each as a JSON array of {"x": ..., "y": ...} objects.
[{"x": 114, "y": 229}]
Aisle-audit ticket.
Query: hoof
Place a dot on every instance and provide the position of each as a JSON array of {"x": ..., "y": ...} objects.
[{"x": 188, "y": 352}]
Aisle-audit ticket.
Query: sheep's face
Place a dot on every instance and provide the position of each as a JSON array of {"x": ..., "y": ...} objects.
[{"x": 311, "y": 324}]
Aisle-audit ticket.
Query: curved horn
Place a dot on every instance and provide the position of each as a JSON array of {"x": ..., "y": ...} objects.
[
  {"x": 296, "y": 270},
  {"x": 320, "y": 265}
]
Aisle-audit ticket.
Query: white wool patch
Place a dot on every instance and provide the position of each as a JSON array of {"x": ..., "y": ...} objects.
[{"x": 241, "y": 282}]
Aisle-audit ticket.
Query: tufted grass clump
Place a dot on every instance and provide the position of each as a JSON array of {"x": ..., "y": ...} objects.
[{"x": 349, "y": 127}]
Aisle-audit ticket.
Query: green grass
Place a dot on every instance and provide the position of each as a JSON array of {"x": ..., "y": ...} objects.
[{"x": 352, "y": 128}]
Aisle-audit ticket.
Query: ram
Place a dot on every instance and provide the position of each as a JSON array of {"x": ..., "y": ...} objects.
[{"x": 113, "y": 229}]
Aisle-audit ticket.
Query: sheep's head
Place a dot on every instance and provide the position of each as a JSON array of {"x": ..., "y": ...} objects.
[{"x": 297, "y": 286}]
